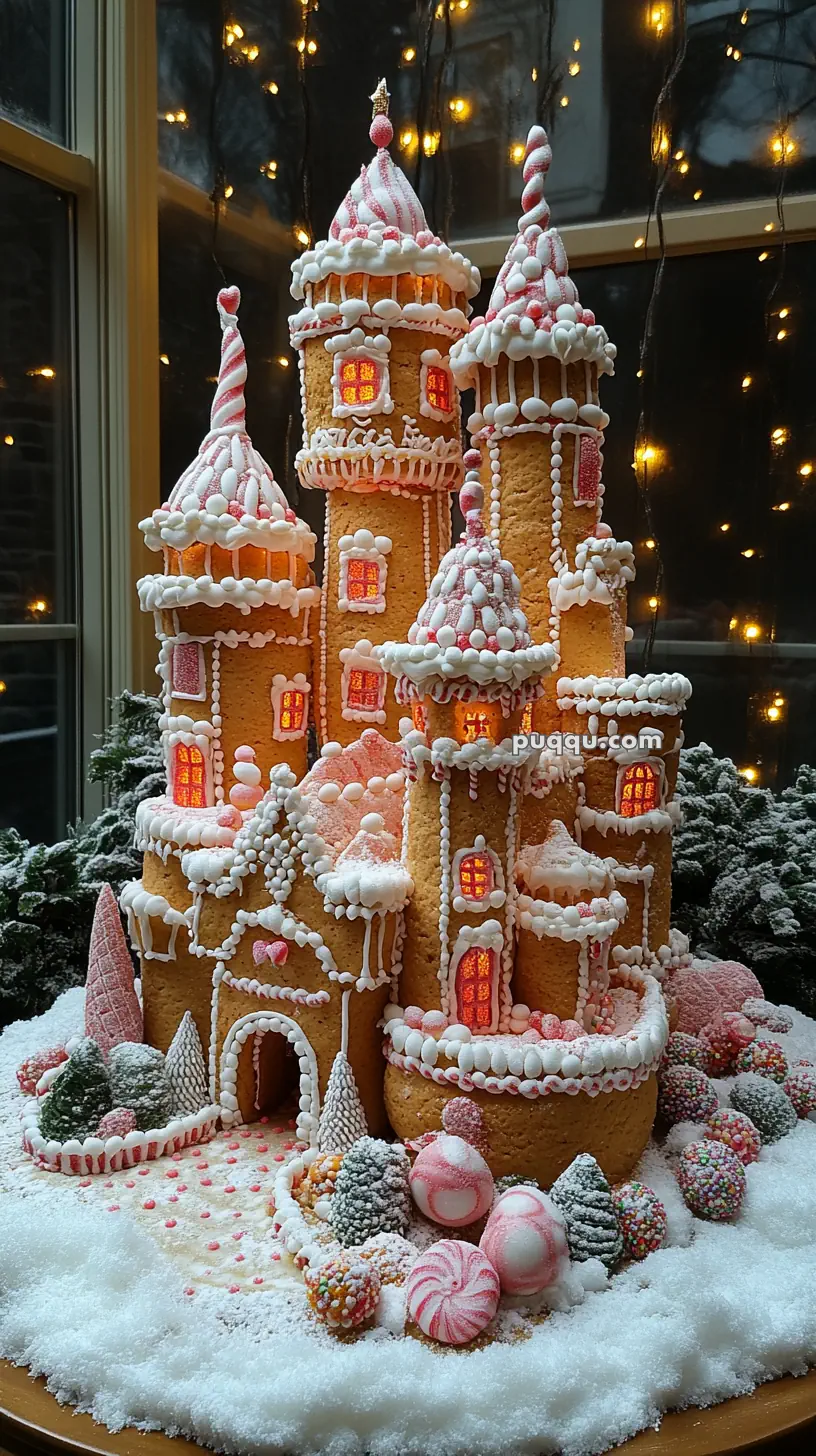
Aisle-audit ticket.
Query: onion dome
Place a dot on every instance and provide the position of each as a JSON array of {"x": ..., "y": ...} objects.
[
  {"x": 228, "y": 496},
  {"x": 380, "y": 228},
  {"x": 471, "y": 637},
  {"x": 534, "y": 308}
]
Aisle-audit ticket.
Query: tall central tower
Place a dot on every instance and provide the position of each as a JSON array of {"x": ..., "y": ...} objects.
[{"x": 382, "y": 300}]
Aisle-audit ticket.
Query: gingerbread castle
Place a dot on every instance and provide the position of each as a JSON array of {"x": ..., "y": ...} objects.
[{"x": 487, "y": 909}]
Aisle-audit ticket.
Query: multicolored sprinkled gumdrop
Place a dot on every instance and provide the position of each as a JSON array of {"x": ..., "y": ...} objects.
[
  {"x": 642, "y": 1219},
  {"x": 452, "y": 1292},
  {"x": 723, "y": 1039},
  {"x": 764, "y": 1013},
  {"x": 320, "y": 1179},
  {"x": 683, "y": 1050},
  {"x": 737, "y": 1132},
  {"x": 686, "y": 1095},
  {"x": 343, "y": 1291},
  {"x": 712, "y": 1180},
  {"x": 765, "y": 1057},
  {"x": 800, "y": 1087},
  {"x": 30, "y": 1071},
  {"x": 391, "y": 1255}
]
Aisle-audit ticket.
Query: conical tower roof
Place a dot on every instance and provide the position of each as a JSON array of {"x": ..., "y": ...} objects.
[
  {"x": 534, "y": 308},
  {"x": 228, "y": 495},
  {"x": 471, "y": 637}
]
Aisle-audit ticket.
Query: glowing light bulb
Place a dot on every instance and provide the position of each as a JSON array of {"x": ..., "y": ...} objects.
[
  {"x": 430, "y": 143},
  {"x": 773, "y": 714},
  {"x": 3, "y": 686},
  {"x": 574, "y": 68},
  {"x": 698, "y": 194},
  {"x": 806, "y": 469},
  {"x": 683, "y": 168},
  {"x": 744, "y": 18},
  {"x": 232, "y": 32},
  {"x": 648, "y": 455},
  {"x": 639, "y": 374},
  {"x": 576, "y": 45},
  {"x": 750, "y": 774},
  {"x": 302, "y": 237},
  {"x": 763, "y": 257},
  {"x": 678, "y": 156},
  {"x": 39, "y": 606},
  {"x": 783, "y": 147},
  {"x": 564, "y": 101},
  {"x": 751, "y": 631},
  {"x": 779, "y": 701},
  {"x": 725, "y": 526},
  {"x": 250, "y": 53},
  {"x": 164, "y": 359},
  {"x": 534, "y": 74},
  {"x": 658, "y": 18},
  {"x": 747, "y": 381},
  {"x": 783, "y": 506},
  {"x": 650, "y": 543},
  {"x": 661, "y": 142},
  {"x": 45, "y": 372},
  {"x": 783, "y": 312},
  {"x": 269, "y": 169},
  {"x": 459, "y": 108},
  {"x": 733, "y": 624},
  {"x": 8, "y": 439},
  {"x": 640, "y": 242},
  {"x": 654, "y": 603},
  {"x": 228, "y": 191},
  {"x": 516, "y": 153},
  {"x": 780, "y": 435},
  {"x": 769, "y": 227},
  {"x": 407, "y": 139},
  {"x": 409, "y": 55},
  {"x": 271, "y": 87},
  {"x": 282, "y": 361},
  {"x": 748, "y": 552},
  {"x": 782, "y": 334}
]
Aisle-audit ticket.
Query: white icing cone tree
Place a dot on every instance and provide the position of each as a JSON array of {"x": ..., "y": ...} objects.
[
  {"x": 342, "y": 1120},
  {"x": 112, "y": 1010},
  {"x": 186, "y": 1069}
]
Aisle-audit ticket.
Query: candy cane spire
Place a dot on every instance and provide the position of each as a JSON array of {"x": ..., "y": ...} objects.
[
  {"x": 228, "y": 414},
  {"x": 537, "y": 158}
]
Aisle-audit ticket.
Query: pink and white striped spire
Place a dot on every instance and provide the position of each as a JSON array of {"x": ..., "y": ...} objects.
[
  {"x": 228, "y": 413},
  {"x": 537, "y": 159},
  {"x": 382, "y": 196}
]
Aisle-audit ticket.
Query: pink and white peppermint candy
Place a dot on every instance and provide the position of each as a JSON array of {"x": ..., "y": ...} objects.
[
  {"x": 451, "y": 1182},
  {"x": 452, "y": 1292},
  {"x": 525, "y": 1241}
]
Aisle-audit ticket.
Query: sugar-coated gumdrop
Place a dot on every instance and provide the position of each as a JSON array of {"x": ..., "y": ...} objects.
[
  {"x": 738, "y": 1133},
  {"x": 463, "y": 1118},
  {"x": 765, "y": 1057},
  {"x": 434, "y": 1023},
  {"x": 117, "y": 1123},
  {"x": 452, "y": 1292},
  {"x": 391, "y": 1255},
  {"x": 764, "y": 1013},
  {"x": 30, "y": 1071},
  {"x": 800, "y": 1087},
  {"x": 712, "y": 1180},
  {"x": 343, "y": 1291},
  {"x": 723, "y": 1039},
  {"x": 701, "y": 993},
  {"x": 381, "y": 131},
  {"x": 686, "y": 1095},
  {"x": 683, "y": 1050},
  {"x": 642, "y": 1218},
  {"x": 548, "y": 1025},
  {"x": 451, "y": 1182},
  {"x": 571, "y": 1029},
  {"x": 413, "y": 1017},
  {"x": 525, "y": 1240},
  {"x": 765, "y": 1103}
]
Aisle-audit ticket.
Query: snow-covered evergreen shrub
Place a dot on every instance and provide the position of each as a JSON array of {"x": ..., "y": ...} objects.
[
  {"x": 129, "y": 763},
  {"x": 80, "y": 1098},
  {"x": 583, "y": 1195},
  {"x": 371, "y": 1194},
  {"x": 138, "y": 1079}
]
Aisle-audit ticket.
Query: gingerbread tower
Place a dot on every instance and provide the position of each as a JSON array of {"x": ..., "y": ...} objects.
[
  {"x": 234, "y": 606},
  {"x": 536, "y": 360},
  {"x": 382, "y": 300}
]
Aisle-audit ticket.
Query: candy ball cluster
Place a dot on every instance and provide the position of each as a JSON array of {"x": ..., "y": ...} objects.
[
  {"x": 737, "y": 1132},
  {"x": 712, "y": 1180},
  {"x": 683, "y": 1050},
  {"x": 764, "y": 1013},
  {"x": 766, "y": 1105},
  {"x": 320, "y": 1179},
  {"x": 686, "y": 1095},
  {"x": 765, "y": 1057},
  {"x": 343, "y": 1292},
  {"x": 800, "y": 1087},
  {"x": 642, "y": 1219},
  {"x": 723, "y": 1039},
  {"x": 30, "y": 1071},
  {"x": 391, "y": 1255}
]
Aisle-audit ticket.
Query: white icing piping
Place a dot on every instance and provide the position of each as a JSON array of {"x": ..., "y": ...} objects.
[{"x": 246, "y": 1026}]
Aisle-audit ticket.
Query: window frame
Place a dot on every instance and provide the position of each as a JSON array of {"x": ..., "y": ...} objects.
[{"x": 281, "y": 684}]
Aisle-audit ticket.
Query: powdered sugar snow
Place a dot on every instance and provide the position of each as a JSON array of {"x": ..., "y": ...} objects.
[{"x": 93, "y": 1302}]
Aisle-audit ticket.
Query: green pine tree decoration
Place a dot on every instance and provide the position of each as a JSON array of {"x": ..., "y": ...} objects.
[
  {"x": 582, "y": 1194},
  {"x": 138, "y": 1079},
  {"x": 79, "y": 1098},
  {"x": 129, "y": 763}
]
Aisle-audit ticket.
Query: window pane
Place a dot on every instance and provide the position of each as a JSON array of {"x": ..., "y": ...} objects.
[
  {"x": 36, "y": 386},
  {"x": 38, "y": 738},
  {"x": 738, "y": 605},
  {"x": 33, "y": 64}
]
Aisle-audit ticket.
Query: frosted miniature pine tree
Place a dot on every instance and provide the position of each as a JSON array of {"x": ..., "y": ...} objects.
[
  {"x": 186, "y": 1071},
  {"x": 138, "y": 1079},
  {"x": 80, "y": 1098},
  {"x": 342, "y": 1121},
  {"x": 585, "y": 1199},
  {"x": 371, "y": 1194},
  {"x": 112, "y": 1010}
]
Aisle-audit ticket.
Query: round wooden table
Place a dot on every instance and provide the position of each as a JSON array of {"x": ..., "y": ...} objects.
[{"x": 778, "y": 1417}]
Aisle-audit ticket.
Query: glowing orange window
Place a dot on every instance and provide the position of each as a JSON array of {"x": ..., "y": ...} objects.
[
  {"x": 639, "y": 790},
  {"x": 292, "y": 710},
  {"x": 364, "y": 686},
  {"x": 474, "y": 988},
  {"x": 475, "y": 876},
  {"x": 359, "y": 381},
  {"x": 189, "y": 787},
  {"x": 362, "y": 580},
  {"x": 527, "y": 719},
  {"x": 475, "y": 724},
  {"x": 438, "y": 389},
  {"x": 418, "y": 717}
]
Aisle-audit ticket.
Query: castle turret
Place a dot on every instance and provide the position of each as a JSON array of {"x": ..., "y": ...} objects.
[{"x": 382, "y": 300}]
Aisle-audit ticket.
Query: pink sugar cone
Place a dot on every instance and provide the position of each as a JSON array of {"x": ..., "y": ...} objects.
[{"x": 112, "y": 1010}]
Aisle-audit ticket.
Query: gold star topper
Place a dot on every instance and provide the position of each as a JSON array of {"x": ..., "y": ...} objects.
[{"x": 380, "y": 100}]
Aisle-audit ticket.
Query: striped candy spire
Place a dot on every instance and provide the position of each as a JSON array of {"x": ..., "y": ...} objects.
[
  {"x": 228, "y": 412},
  {"x": 537, "y": 158}
]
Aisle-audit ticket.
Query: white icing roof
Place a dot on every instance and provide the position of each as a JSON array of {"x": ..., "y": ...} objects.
[
  {"x": 380, "y": 229},
  {"x": 602, "y": 565},
  {"x": 471, "y": 626},
  {"x": 534, "y": 308},
  {"x": 228, "y": 496},
  {"x": 560, "y": 863}
]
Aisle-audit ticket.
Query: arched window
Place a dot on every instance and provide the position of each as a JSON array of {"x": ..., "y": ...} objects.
[
  {"x": 474, "y": 988},
  {"x": 290, "y": 705},
  {"x": 475, "y": 875},
  {"x": 474, "y": 723},
  {"x": 418, "y": 717},
  {"x": 189, "y": 776},
  {"x": 438, "y": 389},
  {"x": 362, "y": 684},
  {"x": 360, "y": 382},
  {"x": 639, "y": 790}
]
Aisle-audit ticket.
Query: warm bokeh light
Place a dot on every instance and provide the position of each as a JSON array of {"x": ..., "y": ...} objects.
[
  {"x": 650, "y": 543},
  {"x": 752, "y": 631},
  {"x": 763, "y": 257},
  {"x": 748, "y": 553},
  {"x": 408, "y": 139},
  {"x": 574, "y": 68},
  {"x": 783, "y": 147},
  {"x": 750, "y": 773},
  {"x": 516, "y": 153},
  {"x": 430, "y": 143},
  {"x": 39, "y": 607},
  {"x": 44, "y": 372},
  {"x": 654, "y": 603},
  {"x": 282, "y": 361},
  {"x": 8, "y": 439},
  {"x": 806, "y": 469},
  {"x": 747, "y": 381},
  {"x": 228, "y": 191},
  {"x": 164, "y": 359},
  {"x": 460, "y": 108},
  {"x": 640, "y": 242},
  {"x": 269, "y": 169},
  {"x": 564, "y": 101},
  {"x": 409, "y": 55},
  {"x": 780, "y": 435},
  {"x": 698, "y": 194},
  {"x": 271, "y": 87},
  {"x": 783, "y": 506},
  {"x": 648, "y": 456},
  {"x": 658, "y": 18},
  {"x": 302, "y": 237},
  {"x": 725, "y": 526}
]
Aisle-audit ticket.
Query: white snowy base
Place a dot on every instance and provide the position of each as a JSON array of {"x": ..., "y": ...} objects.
[
  {"x": 95, "y": 1156},
  {"x": 106, "y": 1310}
]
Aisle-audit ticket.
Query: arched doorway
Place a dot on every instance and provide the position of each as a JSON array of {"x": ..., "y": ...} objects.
[{"x": 266, "y": 1059}]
